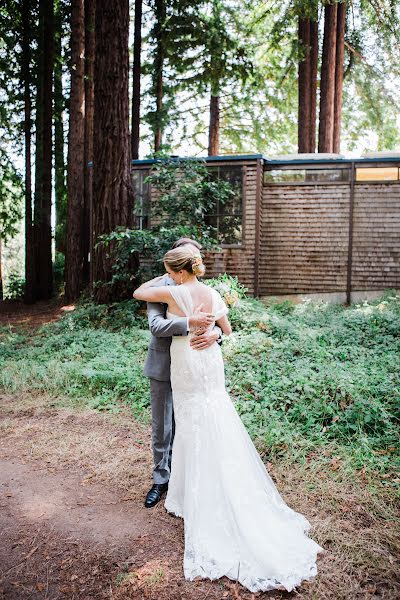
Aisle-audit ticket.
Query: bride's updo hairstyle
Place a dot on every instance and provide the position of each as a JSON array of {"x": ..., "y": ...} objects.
[{"x": 183, "y": 259}]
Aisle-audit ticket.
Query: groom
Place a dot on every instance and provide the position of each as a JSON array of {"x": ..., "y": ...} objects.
[{"x": 157, "y": 368}]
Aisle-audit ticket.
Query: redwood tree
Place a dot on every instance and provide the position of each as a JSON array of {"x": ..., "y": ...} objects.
[
  {"x": 112, "y": 205},
  {"x": 339, "y": 74},
  {"x": 90, "y": 12},
  {"x": 60, "y": 190},
  {"x": 158, "y": 76},
  {"x": 44, "y": 151},
  {"x": 26, "y": 84},
  {"x": 307, "y": 82},
  {"x": 137, "y": 47},
  {"x": 75, "y": 177},
  {"x": 327, "y": 86}
]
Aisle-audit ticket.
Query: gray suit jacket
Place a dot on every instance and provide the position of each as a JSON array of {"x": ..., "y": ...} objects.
[{"x": 158, "y": 361}]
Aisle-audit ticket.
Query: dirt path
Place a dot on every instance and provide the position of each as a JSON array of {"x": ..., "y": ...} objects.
[{"x": 72, "y": 519}]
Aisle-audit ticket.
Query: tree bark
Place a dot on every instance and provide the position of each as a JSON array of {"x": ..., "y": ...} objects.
[
  {"x": 44, "y": 266},
  {"x": 327, "y": 88},
  {"x": 1, "y": 276},
  {"x": 87, "y": 237},
  {"x": 213, "y": 132},
  {"x": 75, "y": 177},
  {"x": 29, "y": 296},
  {"x": 158, "y": 73},
  {"x": 304, "y": 85},
  {"x": 313, "y": 82},
  {"x": 137, "y": 47},
  {"x": 339, "y": 74},
  {"x": 112, "y": 200},
  {"x": 59, "y": 160}
]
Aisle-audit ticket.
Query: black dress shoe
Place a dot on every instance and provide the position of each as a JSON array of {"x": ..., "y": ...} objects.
[{"x": 154, "y": 494}]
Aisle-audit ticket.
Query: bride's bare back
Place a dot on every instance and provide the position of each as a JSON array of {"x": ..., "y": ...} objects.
[{"x": 201, "y": 296}]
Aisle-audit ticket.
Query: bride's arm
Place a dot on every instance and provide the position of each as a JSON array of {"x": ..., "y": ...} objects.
[
  {"x": 223, "y": 322},
  {"x": 153, "y": 294}
]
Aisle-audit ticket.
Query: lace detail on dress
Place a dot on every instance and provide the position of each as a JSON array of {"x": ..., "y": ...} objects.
[{"x": 235, "y": 519}]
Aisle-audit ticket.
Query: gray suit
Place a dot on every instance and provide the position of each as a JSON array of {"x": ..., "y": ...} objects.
[{"x": 158, "y": 369}]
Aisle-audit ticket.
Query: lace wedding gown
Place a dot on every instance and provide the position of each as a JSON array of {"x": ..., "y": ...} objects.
[{"x": 236, "y": 523}]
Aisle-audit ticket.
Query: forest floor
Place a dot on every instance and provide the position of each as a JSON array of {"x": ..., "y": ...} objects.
[{"x": 73, "y": 524}]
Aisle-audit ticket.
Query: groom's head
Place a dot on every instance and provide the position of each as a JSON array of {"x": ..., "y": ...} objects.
[{"x": 195, "y": 246}]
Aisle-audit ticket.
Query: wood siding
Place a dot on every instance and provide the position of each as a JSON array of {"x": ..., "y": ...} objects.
[
  {"x": 304, "y": 237},
  {"x": 376, "y": 236}
]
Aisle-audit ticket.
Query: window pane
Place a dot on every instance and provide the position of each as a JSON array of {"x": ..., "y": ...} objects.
[
  {"x": 312, "y": 175},
  {"x": 228, "y": 216},
  {"x": 377, "y": 174},
  {"x": 327, "y": 174},
  {"x": 211, "y": 221},
  {"x": 282, "y": 176},
  {"x": 141, "y": 191},
  {"x": 230, "y": 229}
]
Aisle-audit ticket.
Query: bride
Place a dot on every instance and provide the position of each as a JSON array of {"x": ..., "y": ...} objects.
[{"x": 236, "y": 523}]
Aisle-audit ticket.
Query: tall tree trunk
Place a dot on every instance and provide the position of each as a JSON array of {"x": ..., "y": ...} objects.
[
  {"x": 112, "y": 205},
  {"x": 137, "y": 48},
  {"x": 1, "y": 276},
  {"x": 59, "y": 161},
  {"x": 90, "y": 13},
  {"x": 327, "y": 89},
  {"x": 304, "y": 85},
  {"x": 29, "y": 296},
  {"x": 160, "y": 14},
  {"x": 213, "y": 131},
  {"x": 44, "y": 266},
  {"x": 75, "y": 177},
  {"x": 38, "y": 150},
  {"x": 339, "y": 74},
  {"x": 313, "y": 82}
]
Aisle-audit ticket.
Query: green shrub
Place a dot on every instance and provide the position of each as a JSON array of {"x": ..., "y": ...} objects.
[{"x": 15, "y": 287}]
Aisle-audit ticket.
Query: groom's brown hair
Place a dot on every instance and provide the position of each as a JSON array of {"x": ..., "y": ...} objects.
[{"x": 184, "y": 241}]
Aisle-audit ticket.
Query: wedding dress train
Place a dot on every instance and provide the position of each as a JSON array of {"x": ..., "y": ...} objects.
[{"x": 236, "y": 523}]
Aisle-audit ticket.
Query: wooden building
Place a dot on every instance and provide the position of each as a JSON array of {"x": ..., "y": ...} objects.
[{"x": 304, "y": 224}]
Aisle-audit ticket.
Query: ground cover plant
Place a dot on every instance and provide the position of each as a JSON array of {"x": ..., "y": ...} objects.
[{"x": 302, "y": 376}]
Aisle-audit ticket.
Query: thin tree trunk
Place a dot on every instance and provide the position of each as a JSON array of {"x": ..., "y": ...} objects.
[
  {"x": 29, "y": 295},
  {"x": 213, "y": 131},
  {"x": 75, "y": 177},
  {"x": 313, "y": 82},
  {"x": 327, "y": 90},
  {"x": 38, "y": 151},
  {"x": 90, "y": 13},
  {"x": 339, "y": 74},
  {"x": 1, "y": 277},
  {"x": 137, "y": 47},
  {"x": 44, "y": 267},
  {"x": 59, "y": 161},
  {"x": 158, "y": 73},
  {"x": 112, "y": 205},
  {"x": 304, "y": 86}
]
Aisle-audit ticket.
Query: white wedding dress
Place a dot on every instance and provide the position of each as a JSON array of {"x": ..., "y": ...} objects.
[{"x": 236, "y": 523}]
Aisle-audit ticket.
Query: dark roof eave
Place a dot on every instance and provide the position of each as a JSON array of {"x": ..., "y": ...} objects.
[{"x": 272, "y": 162}]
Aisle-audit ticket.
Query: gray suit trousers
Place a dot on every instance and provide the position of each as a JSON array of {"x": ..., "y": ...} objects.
[{"x": 163, "y": 428}]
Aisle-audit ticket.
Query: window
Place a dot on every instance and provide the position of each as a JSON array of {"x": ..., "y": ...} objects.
[
  {"x": 377, "y": 174},
  {"x": 141, "y": 191},
  {"x": 306, "y": 175},
  {"x": 228, "y": 217}
]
